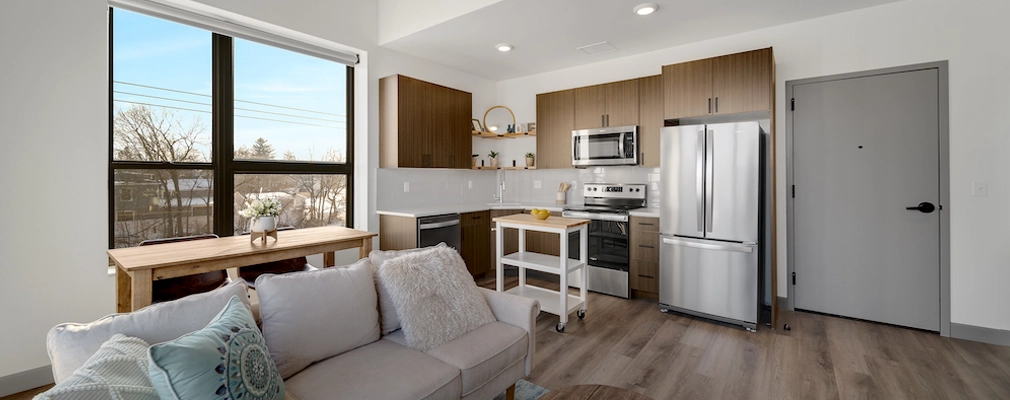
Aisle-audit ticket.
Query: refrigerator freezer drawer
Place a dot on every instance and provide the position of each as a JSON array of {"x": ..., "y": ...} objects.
[{"x": 708, "y": 277}]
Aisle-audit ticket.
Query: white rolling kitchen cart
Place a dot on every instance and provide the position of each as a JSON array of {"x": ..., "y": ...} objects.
[{"x": 559, "y": 303}]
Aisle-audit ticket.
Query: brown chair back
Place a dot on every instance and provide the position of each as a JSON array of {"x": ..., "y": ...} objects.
[
  {"x": 176, "y": 288},
  {"x": 251, "y": 272}
]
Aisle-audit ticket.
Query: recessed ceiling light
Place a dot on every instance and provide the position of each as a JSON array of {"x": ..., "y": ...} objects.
[
  {"x": 503, "y": 47},
  {"x": 646, "y": 8}
]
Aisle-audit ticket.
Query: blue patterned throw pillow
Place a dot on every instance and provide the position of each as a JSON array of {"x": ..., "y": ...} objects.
[{"x": 226, "y": 360}]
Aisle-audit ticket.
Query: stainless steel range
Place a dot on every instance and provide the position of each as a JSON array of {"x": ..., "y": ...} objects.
[{"x": 607, "y": 205}]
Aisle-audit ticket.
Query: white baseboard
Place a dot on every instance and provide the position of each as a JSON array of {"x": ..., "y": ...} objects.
[
  {"x": 980, "y": 334},
  {"x": 27, "y": 380}
]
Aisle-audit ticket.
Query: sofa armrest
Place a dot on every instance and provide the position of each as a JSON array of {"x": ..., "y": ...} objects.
[{"x": 516, "y": 311}]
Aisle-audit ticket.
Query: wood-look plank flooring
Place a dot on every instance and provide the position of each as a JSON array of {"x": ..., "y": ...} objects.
[{"x": 631, "y": 344}]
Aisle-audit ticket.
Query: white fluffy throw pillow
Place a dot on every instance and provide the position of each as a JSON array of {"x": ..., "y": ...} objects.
[{"x": 435, "y": 297}]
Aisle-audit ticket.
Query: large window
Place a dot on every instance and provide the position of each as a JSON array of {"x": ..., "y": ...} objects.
[{"x": 202, "y": 123}]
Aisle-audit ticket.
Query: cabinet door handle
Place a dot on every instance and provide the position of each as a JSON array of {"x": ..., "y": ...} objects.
[
  {"x": 603, "y": 120},
  {"x": 646, "y": 276},
  {"x": 648, "y": 247},
  {"x": 646, "y": 223},
  {"x": 709, "y": 105},
  {"x": 717, "y": 105}
]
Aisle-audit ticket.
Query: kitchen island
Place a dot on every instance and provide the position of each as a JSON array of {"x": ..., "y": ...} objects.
[{"x": 559, "y": 302}]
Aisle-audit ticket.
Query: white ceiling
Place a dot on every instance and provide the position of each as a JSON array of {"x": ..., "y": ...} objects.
[{"x": 546, "y": 33}]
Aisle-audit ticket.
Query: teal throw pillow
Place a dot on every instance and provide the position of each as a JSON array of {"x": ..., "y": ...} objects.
[{"x": 226, "y": 360}]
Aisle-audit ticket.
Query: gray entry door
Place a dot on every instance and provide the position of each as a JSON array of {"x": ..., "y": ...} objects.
[{"x": 864, "y": 149}]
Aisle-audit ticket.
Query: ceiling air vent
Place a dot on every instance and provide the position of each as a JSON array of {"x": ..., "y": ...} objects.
[{"x": 597, "y": 48}]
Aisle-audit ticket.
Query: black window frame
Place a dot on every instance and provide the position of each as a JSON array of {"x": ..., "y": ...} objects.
[{"x": 223, "y": 164}]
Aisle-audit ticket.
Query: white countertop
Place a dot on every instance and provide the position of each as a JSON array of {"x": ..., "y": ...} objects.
[{"x": 427, "y": 211}]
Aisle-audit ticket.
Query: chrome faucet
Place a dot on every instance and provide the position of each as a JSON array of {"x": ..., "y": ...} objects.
[{"x": 500, "y": 196}]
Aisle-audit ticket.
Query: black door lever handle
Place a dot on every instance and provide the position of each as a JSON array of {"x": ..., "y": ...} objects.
[{"x": 924, "y": 207}]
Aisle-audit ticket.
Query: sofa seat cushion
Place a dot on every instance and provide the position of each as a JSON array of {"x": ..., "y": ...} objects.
[
  {"x": 380, "y": 370},
  {"x": 483, "y": 353}
]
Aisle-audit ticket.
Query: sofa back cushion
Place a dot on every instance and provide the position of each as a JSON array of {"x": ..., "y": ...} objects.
[
  {"x": 311, "y": 316},
  {"x": 71, "y": 344},
  {"x": 390, "y": 321}
]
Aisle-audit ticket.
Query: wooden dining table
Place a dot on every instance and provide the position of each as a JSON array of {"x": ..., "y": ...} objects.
[{"x": 138, "y": 267}]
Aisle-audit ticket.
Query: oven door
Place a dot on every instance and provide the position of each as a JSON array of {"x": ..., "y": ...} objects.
[{"x": 607, "y": 146}]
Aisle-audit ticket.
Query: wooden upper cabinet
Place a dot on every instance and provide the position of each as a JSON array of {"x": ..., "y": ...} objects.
[
  {"x": 423, "y": 125},
  {"x": 687, "y": 89},
  {"x": 650, "y": 119},
  {"x": 728, "y": 84},
  {"x": 622, "y": 103},
  {"x": 743, "y": 82},
  {"x": 555, "y": 123},
  {"x": 590, "y": 107},
  {"x": 611, "y": 104}
]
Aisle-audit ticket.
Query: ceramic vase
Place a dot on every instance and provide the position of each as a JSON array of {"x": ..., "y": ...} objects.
[{"x": 263, "y": 224}]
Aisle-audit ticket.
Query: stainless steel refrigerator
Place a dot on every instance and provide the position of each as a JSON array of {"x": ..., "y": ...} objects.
[{"x": 709, "y": 221}]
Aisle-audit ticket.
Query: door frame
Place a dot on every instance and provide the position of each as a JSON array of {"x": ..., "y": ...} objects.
[{"x": 944, "y": 175}]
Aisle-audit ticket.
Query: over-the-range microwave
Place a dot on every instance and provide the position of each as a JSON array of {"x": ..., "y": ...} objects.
[{"x": 615, "y": 145}]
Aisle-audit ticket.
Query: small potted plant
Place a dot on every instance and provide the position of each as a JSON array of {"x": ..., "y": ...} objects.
[
  {"x": 493, "y": 158},
  {"x": 262, "y": 214},
  {"x": 475, "y": 159},
  {"x": 529, "y": 159}
]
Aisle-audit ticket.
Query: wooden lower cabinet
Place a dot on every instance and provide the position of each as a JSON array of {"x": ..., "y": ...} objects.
[
  {"x": 644, "y": 242},
  {"x": 475, "y": 234}
]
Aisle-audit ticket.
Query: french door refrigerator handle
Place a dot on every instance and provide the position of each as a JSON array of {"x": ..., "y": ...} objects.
[
  {"x": 721, "y": 247},
  {"x": 709, "y": 181},
  {"x": 700, "y": 181}
]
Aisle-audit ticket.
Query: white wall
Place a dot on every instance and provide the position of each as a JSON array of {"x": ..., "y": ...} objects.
[
  {"x": 53, "y": 166},
  {"x": 53, "y": 104},
  {"x": 969, "y": 34}
]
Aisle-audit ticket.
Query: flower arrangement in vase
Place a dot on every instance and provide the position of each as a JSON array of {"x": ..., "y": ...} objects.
[{"x": 262, "y": 214}]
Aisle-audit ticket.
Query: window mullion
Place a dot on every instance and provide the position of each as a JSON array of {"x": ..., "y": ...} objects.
[{"x": 223, "y": 145}]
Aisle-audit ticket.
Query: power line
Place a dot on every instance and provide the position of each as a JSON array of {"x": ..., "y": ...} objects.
[
  {"x": 236, "y": 100},
  {"x": 236, "y": 115},
  {"x": 237, "y": 108}
]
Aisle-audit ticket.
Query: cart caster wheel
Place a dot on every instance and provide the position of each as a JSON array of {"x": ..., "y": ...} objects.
[
  {"x": 787, "y": 327},
  {"x": 751, "y": 330},
  {"x": 581, "y": 314},
  {"x": 664, "y": 311},
  {"x": 560, "y": 327}
]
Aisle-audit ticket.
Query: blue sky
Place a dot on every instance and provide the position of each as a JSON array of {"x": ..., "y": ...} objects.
[{"x": 303, "y": 97}]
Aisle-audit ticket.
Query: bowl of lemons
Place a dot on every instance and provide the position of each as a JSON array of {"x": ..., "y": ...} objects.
[{"x": 540, "y": 213}]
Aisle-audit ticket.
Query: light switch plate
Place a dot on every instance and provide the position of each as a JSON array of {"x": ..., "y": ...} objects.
[
  {"x": 406, "y": 186},
  {"x": 469, "y": 184},
  {"x": 537, "y": 184},
  {"x": 980, "y": 189}
]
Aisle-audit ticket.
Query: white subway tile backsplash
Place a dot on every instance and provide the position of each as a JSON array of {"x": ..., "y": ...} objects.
[{"x": 441, "y": 186}]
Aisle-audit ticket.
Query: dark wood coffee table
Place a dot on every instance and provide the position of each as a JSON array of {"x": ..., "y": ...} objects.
[{"x": 593, "y": 392}]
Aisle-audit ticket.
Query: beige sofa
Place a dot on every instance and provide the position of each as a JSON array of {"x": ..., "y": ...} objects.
[{"x": 336, "y": 351}]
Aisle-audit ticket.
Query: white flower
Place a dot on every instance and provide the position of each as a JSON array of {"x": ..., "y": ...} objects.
[{"x": 261, "y": 208}]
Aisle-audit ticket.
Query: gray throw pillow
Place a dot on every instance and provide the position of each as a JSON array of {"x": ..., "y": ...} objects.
[
  {"x": 435, "y": 297},
  {"x": 118, "y": 370},
  {"x": 311, "y": 316},
  {"x": 389, "y": 321}
]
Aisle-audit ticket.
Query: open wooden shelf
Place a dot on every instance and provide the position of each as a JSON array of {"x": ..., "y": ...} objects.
[
  {"x": 506, "y": 168},
  {"x": 492, "y": 135}
]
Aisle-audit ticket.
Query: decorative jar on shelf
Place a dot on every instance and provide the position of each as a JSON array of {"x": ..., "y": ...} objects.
[{"x": 263, "y": 224}]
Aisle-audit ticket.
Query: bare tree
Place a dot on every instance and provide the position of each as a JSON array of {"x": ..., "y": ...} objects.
[{"x": 142, "y": 134}]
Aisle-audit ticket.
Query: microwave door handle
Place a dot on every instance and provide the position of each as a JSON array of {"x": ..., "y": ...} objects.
[
  {"x": 620, "y": 146},
  {"x": 575, "y": 148}
]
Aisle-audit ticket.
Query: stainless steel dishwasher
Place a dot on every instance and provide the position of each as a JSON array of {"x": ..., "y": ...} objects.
[{"x": 437, "y": 229}]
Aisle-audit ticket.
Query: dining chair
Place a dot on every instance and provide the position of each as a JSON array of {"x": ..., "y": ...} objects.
[
  {"x": 163, "y": 290},
  {"x": 251, "y": 272}
]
